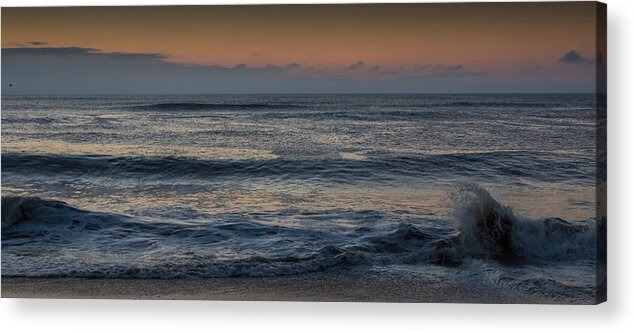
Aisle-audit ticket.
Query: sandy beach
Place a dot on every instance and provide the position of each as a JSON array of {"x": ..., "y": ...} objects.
[{"x": 319, "y": 287}]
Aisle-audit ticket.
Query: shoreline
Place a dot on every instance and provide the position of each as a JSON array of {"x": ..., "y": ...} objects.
[{"x": 370, "y": 286}]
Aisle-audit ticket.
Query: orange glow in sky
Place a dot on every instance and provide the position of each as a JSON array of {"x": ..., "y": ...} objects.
[
  {"x": 316, "y": 35},
  {"x": 547, "y": 46}
]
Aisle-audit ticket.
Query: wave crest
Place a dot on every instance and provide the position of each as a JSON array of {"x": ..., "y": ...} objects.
[
  {"x": 530, "y": 165},
  {"x": 488, "y": 228},
  {"x": 210, "y": 106},
  {"x": 18, "y": 209}
]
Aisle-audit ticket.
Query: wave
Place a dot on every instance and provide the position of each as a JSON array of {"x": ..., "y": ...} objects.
[
  {"x": 21, "y": 209},
  {"x": 452, "y": 102},
  {"x": 540, "y": 166},
  {"x": 491, "y": 229},
  {"x": 49, "y": 238},
  {"x": 503, "y": 104},
  {"x": 200, "y": 106},
  {"x": 211, "y": 106}
]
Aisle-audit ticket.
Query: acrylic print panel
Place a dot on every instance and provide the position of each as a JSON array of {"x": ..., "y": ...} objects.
[{"x": 367, "y": 152}]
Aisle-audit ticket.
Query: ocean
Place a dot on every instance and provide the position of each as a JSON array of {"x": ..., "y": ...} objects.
[{"x": 498, "y": 188}]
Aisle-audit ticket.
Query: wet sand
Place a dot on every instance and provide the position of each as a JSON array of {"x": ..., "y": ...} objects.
[{"x": 319, "y": 287}]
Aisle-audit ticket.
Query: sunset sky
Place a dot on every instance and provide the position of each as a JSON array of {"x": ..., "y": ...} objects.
[{"x": 518, "y": 47}]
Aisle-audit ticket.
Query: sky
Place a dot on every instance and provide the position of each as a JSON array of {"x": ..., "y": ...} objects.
[{"x": 359, "y": 48}]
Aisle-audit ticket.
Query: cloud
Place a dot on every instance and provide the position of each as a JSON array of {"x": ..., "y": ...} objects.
[
  {"x": 443, "y": 67},
  {"x": 79, "y": 51},
  {"x": 575, "y": 57},
  {"x": 136, "y": 56},
  {"x": 453, "y": 68},
  {"x": 445, "y": 75},
  {"x": 37, "y": 43},
  {"x": 356, "y": 66},
  {"x": 47, "y": 51},
  {"x": 78, "y": 70},
  {"x": 458, "y": 74},
  {"x": 68, "y": 70}
]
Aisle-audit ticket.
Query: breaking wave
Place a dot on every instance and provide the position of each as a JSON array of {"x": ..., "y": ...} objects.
[
  {"x": 53, "y": 239},
  {"x": 491, "y": 229}
]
